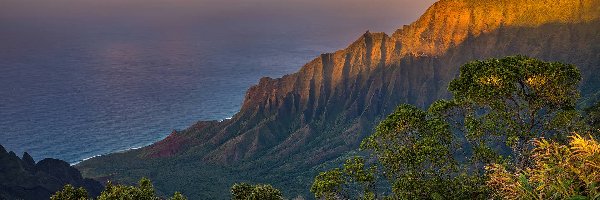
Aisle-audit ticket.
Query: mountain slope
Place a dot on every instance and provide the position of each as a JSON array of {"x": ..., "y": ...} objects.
[
  {"x": 22, "y": 178},
  {"x": 288, "y": 127}
]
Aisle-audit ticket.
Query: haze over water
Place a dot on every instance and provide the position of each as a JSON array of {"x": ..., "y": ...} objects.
[{"x": 80, "y": 78}]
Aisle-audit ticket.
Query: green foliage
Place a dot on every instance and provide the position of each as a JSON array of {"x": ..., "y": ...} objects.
[
  {"x": 178, "y": 196},
  {"x": 559, "y": 172},
  {"x": 144, "y": 191},
  {"x": 592, "y": 117},
  {"x": 328, "y": 184},
  {"x": 266, "y": 192},
  {"x": 337, "y": 183},
  {"x": 515, "y": 99},
  {"x": 414, "y": 148},
  {"x": 499, "y": 106},
  {"x": 356, "y": 171},
  {"x": 70, "y": 193},
  {"x": 245, "y": 191},
  {"x": 241, "y": 191}
]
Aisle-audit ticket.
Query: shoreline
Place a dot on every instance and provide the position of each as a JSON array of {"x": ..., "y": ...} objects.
[{"x": 131, "y": 148}]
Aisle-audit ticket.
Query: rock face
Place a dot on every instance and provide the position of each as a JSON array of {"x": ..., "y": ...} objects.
[
  {"x": 24, "y": 179},
  {"x": 298, "y": 121}
]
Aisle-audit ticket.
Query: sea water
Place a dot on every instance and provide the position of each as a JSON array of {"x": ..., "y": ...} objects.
[{"x": 86, "y": 78}]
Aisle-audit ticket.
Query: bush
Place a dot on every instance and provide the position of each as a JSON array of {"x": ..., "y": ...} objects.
[
  {"x": 559, "y": 172},
  {"x": 245, "y": 191},
  {"x": 70, "y": 193},
  {"x": 144, "y": 191}
]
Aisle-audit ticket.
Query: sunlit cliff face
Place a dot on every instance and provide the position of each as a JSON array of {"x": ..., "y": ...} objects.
[{"x": 453, "y": 21}]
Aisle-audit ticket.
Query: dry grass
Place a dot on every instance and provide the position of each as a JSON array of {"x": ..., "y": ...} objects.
[{"x": 558, "y": 172}]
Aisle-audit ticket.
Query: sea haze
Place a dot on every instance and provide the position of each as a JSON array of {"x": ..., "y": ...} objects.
[{"x": 80, "y": 78}]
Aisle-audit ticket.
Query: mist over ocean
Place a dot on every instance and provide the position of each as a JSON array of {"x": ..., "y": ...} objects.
[{"x": 83, "y": 78}]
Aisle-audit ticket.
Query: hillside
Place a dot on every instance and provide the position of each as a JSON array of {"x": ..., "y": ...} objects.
[
  {"x": 22, "y": 178},
  {"x": 290, "y": 126}
]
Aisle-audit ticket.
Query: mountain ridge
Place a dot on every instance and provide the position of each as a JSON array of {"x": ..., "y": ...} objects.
[
  {"x": 23, "y": 178},
  {"x": 301, "y": 120},
  {"x": 464, "y": 18}
]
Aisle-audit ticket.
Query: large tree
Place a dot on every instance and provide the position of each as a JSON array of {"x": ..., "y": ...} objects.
[
  {"x": 498, "y": 107},
  {"x": 414, "y": 150},
  {"x": 513, "y": 99}
]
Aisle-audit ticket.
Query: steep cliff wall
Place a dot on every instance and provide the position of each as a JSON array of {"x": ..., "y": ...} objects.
[
  {"x": 371, "y": 76},
  {"x": 301, "y": 120},
  {"x": 449, "y": 23}
]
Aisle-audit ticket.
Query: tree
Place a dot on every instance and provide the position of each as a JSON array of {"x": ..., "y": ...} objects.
[
  {"x": 70, "y": 193},
  {"x": 245, "y": 191},
  {"x": 329, "y": 185},
  {"x": 241, "y": 191},
  {"x": 558, "y": 172},
  {"x": 498, "y": 107},
  {"x": 592, "y": 117},
  {"x": 414, "y": 148},
  {"x": 266, "y": 192},
  {"x": 514, "y": 99},
  {"x": 178, "y": 196},
  {"x": 144, "y": 191},
  {"x": 337, "y": 183}
]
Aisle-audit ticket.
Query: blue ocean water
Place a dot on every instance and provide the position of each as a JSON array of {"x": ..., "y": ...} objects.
[
  {"x": 84, "y": 78},
  {"x": 84, "y": 98}
]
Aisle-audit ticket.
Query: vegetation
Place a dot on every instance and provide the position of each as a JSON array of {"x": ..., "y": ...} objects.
[
  {"x": 513, "y": 100},
  {"x": 144, "y": 191},
  {"x": 593, "y": 117},
  {"x": 558, "y": 172},
  {"x": 499, "y": 107},
  {"x": 245, "y": 191},
  {"x": 329, "y": 184},
  {"x": 70, "y": 193},
  {"x": 414, "y": 149}
]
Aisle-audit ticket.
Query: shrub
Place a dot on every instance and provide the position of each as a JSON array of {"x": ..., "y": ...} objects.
[{"x": 559, "y": 172}]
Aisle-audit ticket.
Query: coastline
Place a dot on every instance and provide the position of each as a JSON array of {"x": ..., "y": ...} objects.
[{"x": 131, "y": 148}]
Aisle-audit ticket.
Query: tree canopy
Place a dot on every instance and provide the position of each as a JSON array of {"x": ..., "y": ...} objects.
[
  {"x": 144, "y": 191},
  {"x": 245, "y": 191},
  {"x": 514, "y": 99},
  {"x": 70, "y": 193},
  {"x": 592, "y": 117},
  {"x": 330, "y": 184},
  {"x": 499, "y": 106}
]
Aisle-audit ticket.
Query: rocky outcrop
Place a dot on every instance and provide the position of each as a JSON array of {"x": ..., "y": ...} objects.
[
  {"x": 301, "y": 120},
  {"x": 22, "y": 178}
]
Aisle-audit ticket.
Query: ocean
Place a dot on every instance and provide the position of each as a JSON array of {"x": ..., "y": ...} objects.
[{"x": 76, "y": 82}]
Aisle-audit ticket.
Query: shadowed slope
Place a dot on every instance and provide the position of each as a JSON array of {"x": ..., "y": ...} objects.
[{"x": 22, "y": 178}]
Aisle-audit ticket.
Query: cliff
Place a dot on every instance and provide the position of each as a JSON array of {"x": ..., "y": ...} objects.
[
  {"x": 22, "y": 178},
  {"x": 290, "y": 125}
]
